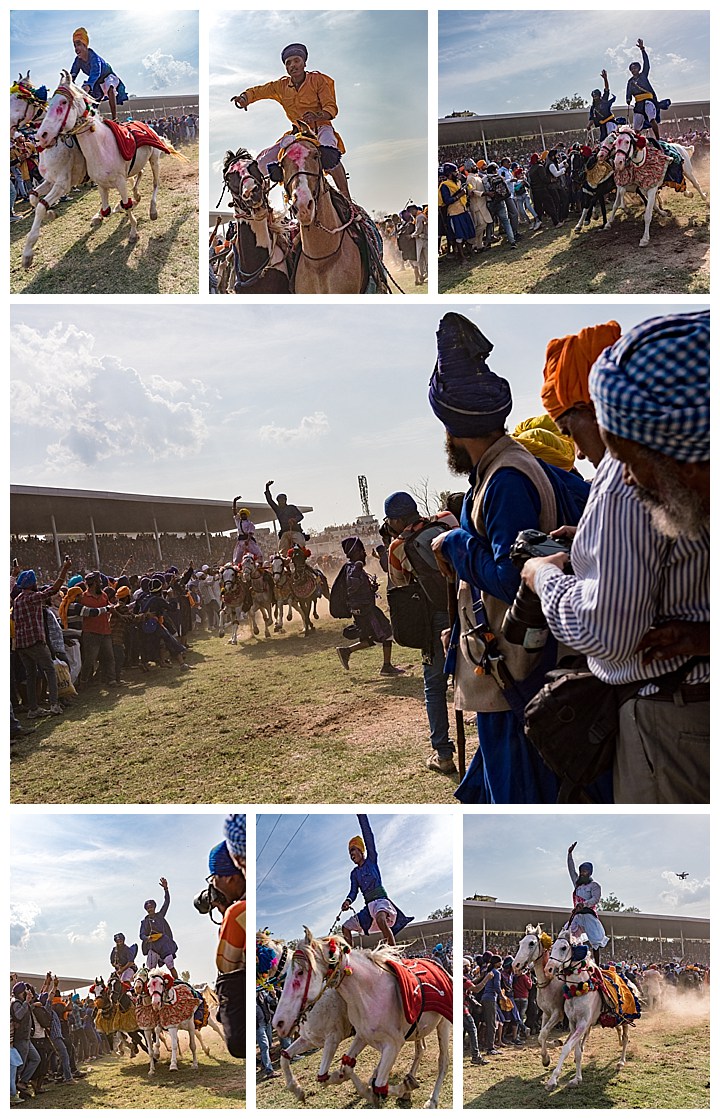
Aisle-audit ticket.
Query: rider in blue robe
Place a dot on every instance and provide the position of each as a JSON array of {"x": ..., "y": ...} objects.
[{"x": 379, "y": 913}]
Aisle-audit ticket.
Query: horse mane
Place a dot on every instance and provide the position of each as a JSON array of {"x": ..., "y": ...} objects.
[
  {"x": 231, "y": 157},
  {"x": 384, "y": 953}
]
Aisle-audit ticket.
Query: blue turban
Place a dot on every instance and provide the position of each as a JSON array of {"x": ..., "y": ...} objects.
[
  {"x": 400, "y": 504},
  {"x": 26, "y": 579},
  {"x": 586, "y": 866},
  {"x": 449, "y": 168},
  {"x": 653, "y": 386},
  {"x": 353, "y": 547},
  {"x": 75, "y": 581},
  {"x": 220, "y": 863},
  {"x": 465, "y": 395},
  {"x": 267, "y": 957},
  {"x": 294, "y": 49},
  {"x": 235, "y": 834}
]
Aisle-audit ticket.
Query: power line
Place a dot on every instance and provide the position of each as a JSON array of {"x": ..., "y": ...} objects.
[
  {"x": 283, "y": 850},
  {"x": 268, "y": 838}
]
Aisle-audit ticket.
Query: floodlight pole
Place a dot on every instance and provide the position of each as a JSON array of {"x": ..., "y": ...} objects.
[
  {"x": 157, "y": 539},
  {"x": 55, "y": 540},
  {"x": 95, "y": 543},
  {"x": 207, "y": 537}
]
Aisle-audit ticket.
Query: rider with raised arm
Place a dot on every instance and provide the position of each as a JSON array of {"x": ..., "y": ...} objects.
[
  {"x": 586, "y": 898},
  {"x": 122, "y": 958},
  {"x": 246, "y": 543},
  {"x": 601, "y": 114},
  {"x": 646, "y": 110},
  {"x": 157, "y": 939},
  {"x": 379, "y": 914},
  {"x": 308, "y": 98},
  {"x": 102, "y": 81},
  {"x": 288, "y": 517}
]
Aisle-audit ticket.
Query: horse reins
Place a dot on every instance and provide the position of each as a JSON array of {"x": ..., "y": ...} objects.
[{"x": 333, "y": 978}]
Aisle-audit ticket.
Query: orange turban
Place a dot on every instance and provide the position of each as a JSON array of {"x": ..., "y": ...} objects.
[
  {"x": 568, "y": 362},
  {"x": 357, "y": 841},
  {"x": 82, "y": 35}
]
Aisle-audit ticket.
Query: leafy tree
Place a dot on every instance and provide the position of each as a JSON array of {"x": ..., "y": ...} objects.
[
  {"x": 612, "y": 904},
  {"x": 577, "y": 101},
  {"x": 446, "y": 911}
]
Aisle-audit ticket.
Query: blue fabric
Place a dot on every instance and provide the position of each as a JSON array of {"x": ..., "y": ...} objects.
[
  {"x": 465, "y": 394},
  {"x": 653, "y": 386},
  {"x": 220, "y": 862},
  {"x": 97, "y": 69},
  {"x": 26, "y": 579},
  {"x": 435, "y": 684},
  {"x": 294, "y": 50},
  {"x": 400, "y": 504},
  {"x": 235, "y": 834}
]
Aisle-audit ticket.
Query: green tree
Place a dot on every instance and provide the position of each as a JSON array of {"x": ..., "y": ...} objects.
[
  {"x": 446, "y": 911},
  {"x": 612, "y": 904},
  {"x": 574, "y": 102}
]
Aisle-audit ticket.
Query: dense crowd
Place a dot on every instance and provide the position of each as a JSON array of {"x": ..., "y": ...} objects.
[
  {"x": 405, "y": 241},
  {"x": 50, "y": 1035}
]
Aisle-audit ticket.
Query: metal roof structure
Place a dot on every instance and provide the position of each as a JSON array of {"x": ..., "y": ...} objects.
[
  {"x": 512, "y": 126},
  {"x": 492, "y": 917},
  {"x": 67, "y": 983},
  {"x": 423, "y": 933}
]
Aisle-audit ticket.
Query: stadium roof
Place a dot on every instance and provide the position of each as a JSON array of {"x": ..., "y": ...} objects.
[
  {"x": 466, "y": 130},
  {"x": 66, "y": 983},
  {"x": 499, "y": 917},
  {"x": 33, "y": 507},
  {"x": 417, "y": 932}
]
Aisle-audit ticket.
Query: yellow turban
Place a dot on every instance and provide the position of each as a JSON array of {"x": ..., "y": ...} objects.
[
  {"x": 543, "y": 439},
  {"x": 568, "y": 362},
  {"x": 82, "y": 35},
  {"x": 357, "y": 841}
]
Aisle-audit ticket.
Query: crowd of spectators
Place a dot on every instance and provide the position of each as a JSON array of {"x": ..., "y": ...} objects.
[
  {"x": 178, "y": 130},
  {"x": 405, "y": 241},
  {"x": 51, "y": 1034}
]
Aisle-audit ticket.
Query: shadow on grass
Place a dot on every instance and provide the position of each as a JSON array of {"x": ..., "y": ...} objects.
[{"x": 530, "y": 1092}]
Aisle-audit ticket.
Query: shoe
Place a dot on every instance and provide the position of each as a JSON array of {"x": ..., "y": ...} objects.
[
  {"x": 538, "y": 225},
  {"x": 17, "y": 1098},
  {"x": 478, "y": 1060},
  {"x": 78, "y": 1075},
  {"x": 512, "y": 244},
  {"x": 344, "y": 655},
  {"x": 441, "y": 765},
  {"x": 21, "y": 732},
  {"x": 56, "y": 709},
  {"x": 38, "y": 713},
  {"x": 391, "y": 670},
  {"x": 492, "y": 1052},
  {"x": 16, "y": 217},
  {"x": 270, "y": 1074}
]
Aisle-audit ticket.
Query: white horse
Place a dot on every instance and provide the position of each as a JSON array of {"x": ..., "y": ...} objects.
[
  {"x": 584, "y": 1006},
  {"x": 283, "y": 590},
  {"x": 640, "y": 164},
  {"x": 163, "y": 1004},
  {"x": 653, "y": 988},
  {"x": 72, "y": 112},
  {"x": 324, "y": 1027},
  {"x": 232, "y": 592},
  {"x": 371, "y": 993},
  {"x": 533, "y": 951},
  {"x": 259, "y": 581}
]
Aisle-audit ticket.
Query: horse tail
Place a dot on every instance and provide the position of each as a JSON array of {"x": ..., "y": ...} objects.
[{"x": 170, "y": 149}]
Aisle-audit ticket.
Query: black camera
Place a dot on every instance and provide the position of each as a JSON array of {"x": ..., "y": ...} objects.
[
  {"x": 524, "y": 623},
  {"x": 208, "y": 899}
]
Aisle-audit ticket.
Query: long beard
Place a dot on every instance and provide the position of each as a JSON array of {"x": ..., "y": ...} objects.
[
  {"x": 679, "y": 512},
  {"x": 458, "y": 459}
]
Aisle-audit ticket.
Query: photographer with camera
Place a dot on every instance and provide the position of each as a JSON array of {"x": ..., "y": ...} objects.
[
  {"x": 226, "y": 893},
  {"x": 510, "y": 491},
  {"x": 632, "y": 580}
]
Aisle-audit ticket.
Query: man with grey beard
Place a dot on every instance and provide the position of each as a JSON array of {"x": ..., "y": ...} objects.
[{"x": 641, "y": 612}]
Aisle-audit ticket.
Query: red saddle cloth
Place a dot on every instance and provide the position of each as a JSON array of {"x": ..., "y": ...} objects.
[
  {"x": 425, "y": 987},
  {"x": 135, "y": 134}
]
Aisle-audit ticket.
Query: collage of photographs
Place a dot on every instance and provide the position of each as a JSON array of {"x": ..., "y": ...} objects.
[{"x": 425, "y": 581}]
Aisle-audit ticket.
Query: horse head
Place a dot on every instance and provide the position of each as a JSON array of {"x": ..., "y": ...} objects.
[
  {"x": 303, "y": 984},
  {"x": 530, "y": 949},
  {"x": 303, "y": 175},
  {"x": 245, "y": 181},
  {"x": 159, "y": 982},
  {"x": 629, "y": 147},
  {"x": 277, "y": 567},
  {"x": 564, "y": 952},
  {"x": 248, "y": 568},
  {"x": 68, "y": 107}
]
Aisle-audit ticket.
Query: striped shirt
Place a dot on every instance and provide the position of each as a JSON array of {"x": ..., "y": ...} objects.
[{"x": 628, "y": 578}]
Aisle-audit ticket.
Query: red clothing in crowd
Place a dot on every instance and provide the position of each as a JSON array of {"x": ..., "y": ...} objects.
[{"x": 100, "y": 623}]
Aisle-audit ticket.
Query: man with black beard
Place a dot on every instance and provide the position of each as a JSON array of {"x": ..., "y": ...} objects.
[
  {"x": 510, "y": 490},
  {"x": 638, "y": 602}
]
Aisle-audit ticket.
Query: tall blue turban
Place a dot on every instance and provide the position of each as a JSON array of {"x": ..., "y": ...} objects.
[
  {"x": 653, "y": 386},
  {"x": 235, "y": 834},
  {"x": 293, "y": 50},
  {"x": 220, "y": 863},
  {"x": 465, "y": 394},
  {"x": 267, "y": 957}
]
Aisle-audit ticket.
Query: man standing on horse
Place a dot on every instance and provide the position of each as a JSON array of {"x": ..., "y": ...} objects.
[
  {"x": 122, "y": 958},
  {"x": 379, "y": 914},
  {"x": 156, "y": 935},
  {"x": 246, "y": 542},
  {"x": 646, "y": 110},
  {"x": 102, "y": 82},
  {"x": 586, "y": 898},
  {"x": 288, "y": 517},
  {"x": 601, "y": 114},
  {"x": 308, "y": 98}
]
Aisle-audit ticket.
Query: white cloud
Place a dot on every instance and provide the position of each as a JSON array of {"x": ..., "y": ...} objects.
[
  {"x": 166, "y": 71},
  {"x": 22, "y": 921},
  {"x": 684, "y": 891},
  {"x": 97, "y": 935},
  {"x": 310, "y": 427}
]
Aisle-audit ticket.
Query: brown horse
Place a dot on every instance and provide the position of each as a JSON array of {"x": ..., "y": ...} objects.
[
  {"x": 260, "y": 245},
  {"x": 340, "y": 249}
]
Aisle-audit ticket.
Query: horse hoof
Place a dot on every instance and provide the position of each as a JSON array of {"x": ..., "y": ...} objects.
[
  {"x": 430, "y": 1104},
  {"x": 546, "y": 1060},
  {"x": 550, "y": 1085},
  {"x": 133, "y": 238},
  {"x": 644, "y": 242},
  {"x": 574, "y": 1083},
  {"x": 96, "y": 222}
]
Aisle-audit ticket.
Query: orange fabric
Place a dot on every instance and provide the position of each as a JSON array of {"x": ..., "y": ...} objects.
[
  {"x": 231, "y": 946},
  {"x": 568, "y": 362}
]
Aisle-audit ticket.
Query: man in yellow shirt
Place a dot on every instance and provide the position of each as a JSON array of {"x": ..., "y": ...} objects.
[{"x": 308, "y": 98}]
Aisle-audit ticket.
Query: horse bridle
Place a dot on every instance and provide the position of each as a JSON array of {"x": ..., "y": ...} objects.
[
  {"x": 333, "y": 978},
  {"x": 27, "y": 94},
  {"x": 315, "y": 194},
  {"x": 84, "y": 121},
  {"x": 254, "y": 213}
]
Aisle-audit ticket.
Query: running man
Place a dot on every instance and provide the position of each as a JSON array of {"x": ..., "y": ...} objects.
[
  {"x": 308, "y": 98},
  {"x": 157, "y": 939},
  {"x": 379, "y": 913},
  {"x": 102, "y": 81},
  {"x": 586, "y": 898}
]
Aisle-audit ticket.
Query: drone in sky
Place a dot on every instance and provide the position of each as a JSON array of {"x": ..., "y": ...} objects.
[{"x": 683, "y": 875}]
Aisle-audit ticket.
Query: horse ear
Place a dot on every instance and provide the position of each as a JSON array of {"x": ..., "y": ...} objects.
[
  {"x": 275, "y": 172},
  {"x": 308, "y": 935}
]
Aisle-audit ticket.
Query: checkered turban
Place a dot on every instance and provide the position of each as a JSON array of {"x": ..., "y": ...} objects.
[{"x": 235, "y": 835}]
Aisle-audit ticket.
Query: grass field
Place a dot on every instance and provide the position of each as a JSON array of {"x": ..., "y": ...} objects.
[
  {"x": 274, "y": 1094},
  {"x": 560, "y": 262},
  {"x": 668, "y": 1066},
  {"x": 71, "y": 257},
  {"x": 119, "y": 1082},
  {"x": 275, "y": 720}
]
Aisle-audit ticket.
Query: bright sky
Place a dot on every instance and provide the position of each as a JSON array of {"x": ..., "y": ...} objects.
[
  {"x": 152, "y": 50},
  {"x": 78, "y": 879},
  {"x": 522, "y": 61},
  {"x": 308, "y": 884},
  {"x": 213, "y": 401},
  {"x": 637, "y": 858},
  {"x": 378, "y": 61}
]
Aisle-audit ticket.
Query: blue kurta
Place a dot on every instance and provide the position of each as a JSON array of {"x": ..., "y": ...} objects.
[
  {"x": 165, "y": 946},
  {"x": 96, "y": 70},
  {"x": 588, "y": 896},
  {"x": 367, "y": 880}
]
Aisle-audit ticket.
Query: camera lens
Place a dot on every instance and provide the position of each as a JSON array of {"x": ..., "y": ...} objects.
[{"x": 524, "y": 623}]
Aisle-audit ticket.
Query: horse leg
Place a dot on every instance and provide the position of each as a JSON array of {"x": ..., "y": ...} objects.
[
  {"x": 299, "y": 1046},
  {"x": 136, "y": 186},
  {"x": 583, "y": 217},
  {"x": 690, "y": 174},
  {"x": 104, "y": 210},
  {"x": 619, "y": 198},
  {"x": 652, "y": 194},
  {"x": 444, "y": 1031},
  {"x": 155, "y": 167},
  {"x": 203, "y": 1046},
  {"x": 174, "y": 1042},
  {"x": 388, "y": 1055},
  {"x": 267, "y": 619},
  {"x": 547, "y": 1025},
  {"x": 576, "y": 1035},
  {"x": 193, "y": 1046},
  {"x": 150, "y": 1042},
  {"x": 579, "y": 1050},
  {"x": 51, "y": 194},
  {"x": 625, "y": 1035}
]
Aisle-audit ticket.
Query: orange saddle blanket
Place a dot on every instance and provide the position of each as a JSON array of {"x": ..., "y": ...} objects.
[
  {"x": 425, "y": 987},
  {"x": 135, "y": 134}
]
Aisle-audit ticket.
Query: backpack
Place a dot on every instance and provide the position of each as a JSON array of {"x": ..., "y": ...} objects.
[
  {"x": 428, "y": 576},
  {"x": 496, "y": 188},
  {"x": 339, "y": 607},
  {"x": 410, "y": 616}
]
